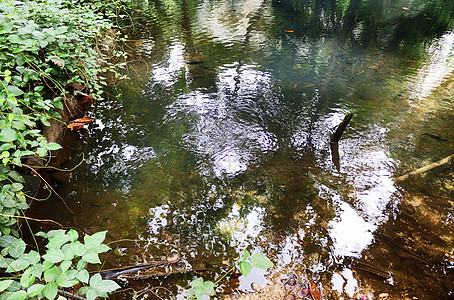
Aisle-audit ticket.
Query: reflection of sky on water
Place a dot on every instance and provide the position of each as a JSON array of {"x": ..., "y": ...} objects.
[{"x": 438, "y": 68}]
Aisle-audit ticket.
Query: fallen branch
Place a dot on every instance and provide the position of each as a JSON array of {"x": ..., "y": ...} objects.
[
  {"x": 424, "y": 169},
  {"x": 110, "y": 273},
  {"x": 340, "y": 129}
]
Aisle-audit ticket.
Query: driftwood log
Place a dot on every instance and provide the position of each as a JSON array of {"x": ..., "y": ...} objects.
[{"x": 429, "y": 167}]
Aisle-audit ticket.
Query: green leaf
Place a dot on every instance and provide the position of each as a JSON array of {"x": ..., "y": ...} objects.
[
  {"x": 27, "y": 279},
  {"x": 4, "y": 284},
  {"x": 94, "y": 240},
  {"x": 35, "y": 290},
  {"x": 245, "y": 268},
  {"x": 246, "y": 254},
  {"x": 50, "y": 290},
  {"x": 92, "y": 294},
  {"x": 33, "y": 257},
  {"x": 65, "y": 265},
  {"x": 17, "y": 248},
  {"x": 81, "y": 264},
  {"x": 261, "y": 261},
  {"x": 72, "y": 234},
  {"x": 37, "y": 270},
  {"x": 8, "y": 135},
  {"x": 54, "y": 255},
  {"x": 107, "y": 286},
  {"x": 57, "y": 241},
  {"x": 91, "y": 257},
  {"x": 78, "y": 248},
  {"x": 95, "y": 280},
  {"x": 64, "y": 281},
  {"x": 16, "y": 176},
  {"x": 19, "y": 295},
  {"x": 53, "y": 146},
  {"x": 14, "y": 90},
  {"x": 51, "y": 274},
  {"x": 7, "y": 240},
  {"x": 18, "y": 265},
  {"x": 83, "y": 276}
]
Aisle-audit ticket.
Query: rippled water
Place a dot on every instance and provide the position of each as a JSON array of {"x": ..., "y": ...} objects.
[{"x": 219, "y": 142}]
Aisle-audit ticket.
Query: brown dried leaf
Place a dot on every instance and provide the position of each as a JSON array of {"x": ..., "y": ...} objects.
[{"x": 315, "y": 291}]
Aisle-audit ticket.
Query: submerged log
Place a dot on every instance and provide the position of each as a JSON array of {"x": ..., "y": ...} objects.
[{"x": 425, "y": 169}]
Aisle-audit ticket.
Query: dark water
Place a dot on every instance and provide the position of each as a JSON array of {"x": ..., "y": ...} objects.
[{"x": 219, "y": 142}]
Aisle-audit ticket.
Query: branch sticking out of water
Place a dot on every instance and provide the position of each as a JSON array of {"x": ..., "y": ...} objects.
[
  {"x": 335, "y": 139},
  {"x": 425, "y": 169},
  {"x": 340, "y": 129}
]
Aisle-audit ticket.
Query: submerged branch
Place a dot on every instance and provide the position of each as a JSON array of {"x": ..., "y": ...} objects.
[{"x": 425, "y": 169}]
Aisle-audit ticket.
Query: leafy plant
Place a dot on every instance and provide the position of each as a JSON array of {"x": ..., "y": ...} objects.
[
  {"x": 257, "y": 260},
  {"x": 63, "y": 265},
  {"x": 45, "y": 48},
  {"x": 199, "y": 287}
]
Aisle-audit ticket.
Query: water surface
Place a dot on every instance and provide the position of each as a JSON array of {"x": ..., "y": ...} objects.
[{"x": 219, "y": 142}]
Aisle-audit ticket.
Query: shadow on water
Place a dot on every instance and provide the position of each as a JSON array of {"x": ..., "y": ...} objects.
[{"x": 220, "y": 143}]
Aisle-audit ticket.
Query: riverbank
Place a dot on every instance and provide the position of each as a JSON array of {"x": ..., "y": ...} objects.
[{"x": 51, "y": 66}]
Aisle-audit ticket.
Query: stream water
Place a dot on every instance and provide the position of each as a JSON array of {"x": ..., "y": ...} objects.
[{"x": 219, "y": 142}]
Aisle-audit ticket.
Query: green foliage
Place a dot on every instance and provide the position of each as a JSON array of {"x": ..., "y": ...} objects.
[
  {"x": 63, "y": 265},
  {"x": 257, "y": 260},
  {"x": 199, "y": 288},
  {"x": 45, "y": 47}
]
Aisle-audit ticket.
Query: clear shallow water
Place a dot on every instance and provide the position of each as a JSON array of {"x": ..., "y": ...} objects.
[{"x": 220, "y": 140}]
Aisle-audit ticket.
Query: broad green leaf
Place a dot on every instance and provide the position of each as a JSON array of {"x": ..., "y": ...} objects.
[
  {"x": 14, "y": 175},
  {"x": 95, "y": 280},
  {"x": 64, "y": 281},
  {"x": 78, "y": 248},
  {"x": 14, "y": 90},
  {"x": 92, "y": 294},
  {"x": 51, "y": 274},
  {"x": 18, "y": 265},
  {"x": 65, "y": 265},
  {"x": 107, "y": 286},
  {"x": 7, "y": 240},
  {"x": 81, "y": 264},
  {"x": 102, "y": 248},
  {"x": 19, "y": 295},
  {"x": 93, "y": 241},
  {"x": 27, "y": 279},
  {"x": 50, "y": 290},
  {"x": 57, "y": 241},
  {"x": 198, "y": 282},
  {"x": 261, "y": 261},
  {"x": 56, "y": 232},
  {"x": 83, "y": 276},
  {"x": 72, "y": 234},
  {"x": 91, "y": 257},
  {"x": 37, "y": 270},
  {"x": 15, "y": 39},
  {"x": 17, "y": 248},
  {"x": 33, "y": 257},
  {"x": 53, "y": 146},
  {"x": 8, "y": 135},
  {"x": 4, "y": 284},
  {"x": 54, "y": 255},
  {"x": 35, "y": 290},
  {"x": 245, "y": 268}
]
